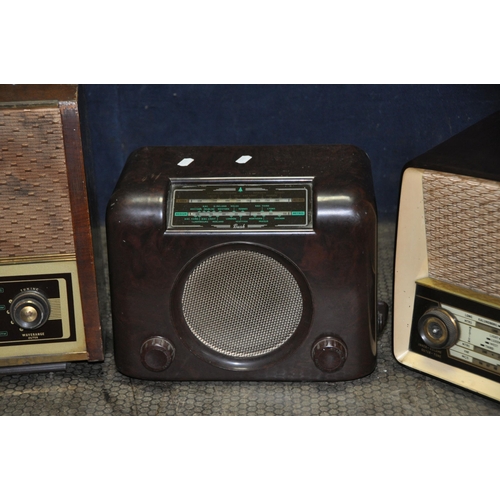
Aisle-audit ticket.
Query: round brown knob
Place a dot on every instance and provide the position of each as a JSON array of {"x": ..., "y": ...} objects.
[
  {"x": 329, "y": 353},
  {"x": 157, "y": 353}
]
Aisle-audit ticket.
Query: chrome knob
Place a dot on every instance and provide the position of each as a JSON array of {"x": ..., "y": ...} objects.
[{"x": 30, "y": 309}]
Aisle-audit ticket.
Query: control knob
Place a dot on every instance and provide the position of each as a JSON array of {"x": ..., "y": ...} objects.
[
  {"x": 157, "y": 353},
  {"x": 329, "y": 353},
  {"x": 438, "y": 328},
  {"x": 30, "y": 309}
]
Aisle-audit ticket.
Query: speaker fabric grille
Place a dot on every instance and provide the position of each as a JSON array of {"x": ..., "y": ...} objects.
[
  {"x": 462, "y": 218},
  {"x": 35, "y": 211},
  {"x": 242, "y": 303}
]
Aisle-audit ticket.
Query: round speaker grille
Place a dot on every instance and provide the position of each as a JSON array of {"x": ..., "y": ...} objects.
[{"x": 242, "y": 303}]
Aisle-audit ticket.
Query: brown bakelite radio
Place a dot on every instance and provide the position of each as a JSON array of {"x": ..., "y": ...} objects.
[
  {"x": 244, "y": 263},
  {"x": 447, "y": 270},
  {"x": 49, "y": 312}
]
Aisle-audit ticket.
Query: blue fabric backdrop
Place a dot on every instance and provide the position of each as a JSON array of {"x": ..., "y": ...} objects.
[{"x": 391, "y": 123}]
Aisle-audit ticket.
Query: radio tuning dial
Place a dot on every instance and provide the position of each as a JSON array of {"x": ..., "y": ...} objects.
[
  {"x": 438, "y": 328},
  {"x": 157, "y": 353},
  {"x": 30, "y": 309},
  {"x": 329, "y": 353}
]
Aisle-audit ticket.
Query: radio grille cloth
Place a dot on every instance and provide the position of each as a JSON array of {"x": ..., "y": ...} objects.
[
  {"x": 462, "y": 218},
  {"x": 35, "y": 211},
  {"x": 242, "y": 303}
]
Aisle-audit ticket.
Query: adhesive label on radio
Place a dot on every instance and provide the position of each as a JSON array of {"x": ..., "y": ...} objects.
[{"x": 247, "y": 206}]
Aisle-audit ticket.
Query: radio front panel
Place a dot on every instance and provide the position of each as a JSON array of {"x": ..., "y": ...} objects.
[
  {"x": 31, "y": 310},
  {"x": 40, "y": 313},
  {"x": 472, "y": 337}
]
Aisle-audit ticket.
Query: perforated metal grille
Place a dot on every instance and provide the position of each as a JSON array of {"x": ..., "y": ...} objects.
[
  {"x": 462, "y": 218},
  {"x": 35, "y": 211},
  {"x": 242, "y": 303}
]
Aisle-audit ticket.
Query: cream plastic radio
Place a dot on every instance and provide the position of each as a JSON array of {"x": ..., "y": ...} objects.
[{"x": 447, "y": 267}]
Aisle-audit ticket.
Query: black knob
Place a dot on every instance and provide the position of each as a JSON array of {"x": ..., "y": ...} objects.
[
  {"x": 30, "y": 309},
  {"x": 438, "y": 328},
  {"x": 329, "y": 353},
  {"x": 157, "y": 353}
]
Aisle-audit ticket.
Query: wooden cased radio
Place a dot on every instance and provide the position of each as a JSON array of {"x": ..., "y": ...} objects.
[{"x": 49, "y": 310}]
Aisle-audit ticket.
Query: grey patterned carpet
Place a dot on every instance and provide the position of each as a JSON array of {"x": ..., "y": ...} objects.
[{"x": 99, "y": 389}]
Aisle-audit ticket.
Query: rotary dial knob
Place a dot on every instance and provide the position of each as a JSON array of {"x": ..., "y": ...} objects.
[
  {"x": 30, "y": 309},
  {"x": 329, "y": 353},
  {"x": 157, "y": 353},
  {"x": 438, "y": 328}
]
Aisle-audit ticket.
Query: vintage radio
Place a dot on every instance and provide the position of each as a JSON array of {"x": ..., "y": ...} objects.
[
  {"x": 48, "y": 294},
  {"x": 233, "y": 263},
  {"x": 447, "y": 267}
]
